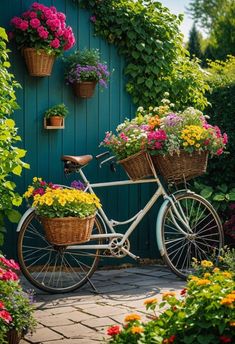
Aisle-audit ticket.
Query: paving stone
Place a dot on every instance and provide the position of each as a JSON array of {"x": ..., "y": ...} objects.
[
  {"x": 71, "y": 341},
  {"x": 99, "y": 322},
  {"x": 101, "y": 311},
  {"x": 74, "y": 331},
  {"x": 42, "y": 335},
  {"x": 79, "y": 316},
  {"x": 56, "y": 320}
]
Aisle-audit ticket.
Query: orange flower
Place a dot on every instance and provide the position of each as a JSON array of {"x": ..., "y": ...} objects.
[
  {"x": 216, "y": 270},
  {"x": 132, "y": 317},
  {"x": 227, "y": 301},
  {"x": 203, "y": 282},
  {"x": 154, "y": 122},
  {"x": 150, "y": 301},
  {"x": 168, "y": 294},
  {"x": 194, "y": 278},
  {"x": 227, "y": 274},
  {"x": 137, "y": 329},
  {"x": 232, "y": 323}
]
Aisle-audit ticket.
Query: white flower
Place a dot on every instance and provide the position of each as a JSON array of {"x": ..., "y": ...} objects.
[
  {"x": 166, "y": 94},
  {"x": 155, "y": 109},
  {"x": 140, "y": 109}
]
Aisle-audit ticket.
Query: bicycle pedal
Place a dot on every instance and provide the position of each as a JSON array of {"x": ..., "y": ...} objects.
[{"x": 107, "y": 253}]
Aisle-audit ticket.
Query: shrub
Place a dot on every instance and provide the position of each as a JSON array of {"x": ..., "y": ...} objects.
[{"x": 10, "y": 154}]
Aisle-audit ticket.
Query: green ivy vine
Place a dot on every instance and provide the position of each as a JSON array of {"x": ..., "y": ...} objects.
[{"x": 148, "y": 36}]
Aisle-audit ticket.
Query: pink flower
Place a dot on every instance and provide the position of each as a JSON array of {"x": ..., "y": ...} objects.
[
  {"x": 10, "y": 263},
  {"x": 2, "y": 305},
  {"x": 206, "y": 142},
  {"x": 158, "y": 145},
  {"x": 225, "y": 139},
  {"x": 32, "y": 15},
  {"x": 42, "y": 32},
  {"x": 38, "y": 6},
  {"x": 53, "y": 24},
  {"x": 53, "y": 9},
  {"x": 67, "y": 32},
  {"x": 23, "y": 25},
  {"x": 48, "y": 14},
  {"x": 123, "y": 137},
  {"x": 16, "y": 21},
  {"x": 219, "y": 151},
  {"x": 93, "y": 19},
  {"x": 5, "y": 315},
  {"x": 59, "y": 33},
  {"x": 35, "y": 23},
  {"x": 55, "y": 43},
  {"x": 61, "y": 16},
  {"x": 39, "y": 191}
]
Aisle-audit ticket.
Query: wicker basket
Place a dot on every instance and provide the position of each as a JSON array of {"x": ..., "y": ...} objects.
[
  {"x": 178, "y": 168},
  {"x": 137, "y": 166},
  {"x": 38, "y": 62},
  {"x": 84, "y": 89},
  {"x": 68, "y": 230}
]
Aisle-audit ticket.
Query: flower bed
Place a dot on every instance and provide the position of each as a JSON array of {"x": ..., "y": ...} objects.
[
  {"x": 204, "y": 313},
  {"x": 16, "y": 309}
]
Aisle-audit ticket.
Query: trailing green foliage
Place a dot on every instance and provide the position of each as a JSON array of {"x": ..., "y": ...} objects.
[
  {"x": 148, "y": 36},
  {"x": 10, "y": 155}
]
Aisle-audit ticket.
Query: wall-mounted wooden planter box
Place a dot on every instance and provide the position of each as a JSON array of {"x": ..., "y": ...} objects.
[{"x": 47, "y": 125}]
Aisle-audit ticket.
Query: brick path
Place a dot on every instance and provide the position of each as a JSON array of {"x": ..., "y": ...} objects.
[{"x": 82, "y": 317}]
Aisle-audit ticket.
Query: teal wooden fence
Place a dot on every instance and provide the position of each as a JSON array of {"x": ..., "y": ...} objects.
[{"x": 85, "y": 125}]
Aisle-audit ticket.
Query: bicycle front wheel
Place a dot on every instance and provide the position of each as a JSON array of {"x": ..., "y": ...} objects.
[
  {"x": 55, "y": 269},
  {"x": 201, "y": 238}
]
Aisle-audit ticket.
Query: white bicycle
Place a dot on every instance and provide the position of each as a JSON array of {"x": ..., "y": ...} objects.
[{"x": 187, "y": 226}]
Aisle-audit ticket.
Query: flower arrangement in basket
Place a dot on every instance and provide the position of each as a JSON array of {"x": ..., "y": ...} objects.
[
  {"x": 84, "y": 70},
  {"x": 178, "y": 142},
  {"x": 42, "y": 34},
  {"x": 66, "y": 214},
  {"x": 202, "y": 313},
  {"x": 16, "y": 306}
]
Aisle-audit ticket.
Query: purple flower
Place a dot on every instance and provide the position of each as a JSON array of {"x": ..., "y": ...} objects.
[
  {"x": 77, "y": 184},
  {"x": 172, "y": 119},
  {"x": 93, "y": 19}
]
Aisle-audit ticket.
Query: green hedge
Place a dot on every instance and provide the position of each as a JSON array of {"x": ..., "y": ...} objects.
[{"x": 222, "y": 112}]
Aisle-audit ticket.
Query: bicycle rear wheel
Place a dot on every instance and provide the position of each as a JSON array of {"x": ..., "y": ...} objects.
[
  {"x": 202, "y": 240},
  {"x": 56, "y": 269}
]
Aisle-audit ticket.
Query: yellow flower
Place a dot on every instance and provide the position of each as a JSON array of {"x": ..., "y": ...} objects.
[
  {"x": 216, "y": 270},
  {"x": 194, "y": 278},
  {"x": 132, "y": 317},
  {"x": 150, "y": 301},
  {"x": 203, "y": 282},
  {"x": 137, "y": 329},
  {"x": 168, "y": 294},
  {"x": 35, "y": 179},
  {"x": 207, "y": 274},
  {"x": 227, "y": 274},
  {"x": 221, "y": 259},
  {"x": 206, "y": 263}
]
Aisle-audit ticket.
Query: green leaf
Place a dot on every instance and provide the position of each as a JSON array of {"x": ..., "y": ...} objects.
[
  {"x": 231, "y": 196},
  {"x": 135, "y": 54},
  {"x": 219, "y": 197},
  {"x": 9, "y": 185},
  {"x": 17, "y": 200},
  {"x": 222, "y": 188},
  {"x": 149, "y": 83},
  {"x": 17, "y": 170},
  {"x": 3, "y": 34},
  {"x": 13, "y": 215},
  {"x": 207, "y": 192}
]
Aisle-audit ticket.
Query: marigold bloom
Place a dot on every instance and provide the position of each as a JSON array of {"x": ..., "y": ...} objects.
[
  {"x": 206, "y": 263},
  {"x": 137, "y": 329},
  {"x": 168, "y": 294},
  {"x": 132, "y": 317},
  {"x": 227, "y": 301},
  {"x": 203, "y": 282},
  {"x": 216, "y": 270},
  {"x": 150, "y": 301},
  {"x": 232, "y": 323},
  {"x": 207, "y": 274},
  {"x": 227, "y": 274}
]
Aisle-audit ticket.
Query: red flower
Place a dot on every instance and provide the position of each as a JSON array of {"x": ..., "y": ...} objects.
[
  {"x": 5, "y": 315},
  {"x": 169, "y": 340},
  {"x": 183, "y": 291},
  {"x": 9, "y": 275},
  {"x": 114, "y": 330},
  {"x": 2, "y": 305},
  {"x": 225, "y": 339}
]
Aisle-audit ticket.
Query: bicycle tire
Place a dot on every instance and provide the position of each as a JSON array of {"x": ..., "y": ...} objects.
[
  {"x": 54, "y": 269},
  {"x": 205, "y": 241}
]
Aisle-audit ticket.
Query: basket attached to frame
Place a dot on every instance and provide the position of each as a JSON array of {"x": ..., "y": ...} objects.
[
  {"x": 179, "y": 168},
  {"x": 138, "y": 166},
  {"x": 68, "y": 230}
]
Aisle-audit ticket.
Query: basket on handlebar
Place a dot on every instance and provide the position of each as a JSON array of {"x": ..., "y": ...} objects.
[
  {"x": 138, "y": 166},
  {"x": 181, "y": 167}
]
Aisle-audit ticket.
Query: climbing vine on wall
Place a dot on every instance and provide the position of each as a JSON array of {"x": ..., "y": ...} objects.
[{"x": 148, "y": 36}]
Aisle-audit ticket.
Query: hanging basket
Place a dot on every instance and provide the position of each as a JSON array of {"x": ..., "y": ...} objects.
[
  {"x": 137, "y": 166},
  {"x": 68, "y": 230},
  {"x": 38, "y": 62},
  {"x": 84, "y": 89},
  {"x": 13, "y": 337},
  {"x": 178, "y": 168}
]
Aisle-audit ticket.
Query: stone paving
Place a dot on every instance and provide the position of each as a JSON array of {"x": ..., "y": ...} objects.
[{"x": 83, "y": 316}]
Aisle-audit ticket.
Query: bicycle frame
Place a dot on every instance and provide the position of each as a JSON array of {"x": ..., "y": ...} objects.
[{"x": 135, "y": 219}]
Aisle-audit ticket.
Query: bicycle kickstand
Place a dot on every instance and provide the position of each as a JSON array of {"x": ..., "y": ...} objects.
[{"x": 93, "y": 286}]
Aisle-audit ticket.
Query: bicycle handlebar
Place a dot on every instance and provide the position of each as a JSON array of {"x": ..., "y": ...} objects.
[{"x": 99, "y": 156}]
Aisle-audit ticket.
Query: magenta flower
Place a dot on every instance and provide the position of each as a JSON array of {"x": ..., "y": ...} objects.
[
  {"x": 35, "y": 23},
  {"x": 219, "y": 151},
  {"x": 23, "y": 25},
  {"x": 93, "y": 19},
  {"x": 55, "y": 43}
]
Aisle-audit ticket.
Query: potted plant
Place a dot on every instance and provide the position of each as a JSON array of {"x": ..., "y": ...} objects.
[
  {"x": 16, "y": 308},
  {"x": 83, "y": 70},
  {"x": 41, "y": 33},
  {"x": 178, "y": 143},
  {"x": 67, "y": 214},
  {"x": 55, "y": 115}
]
